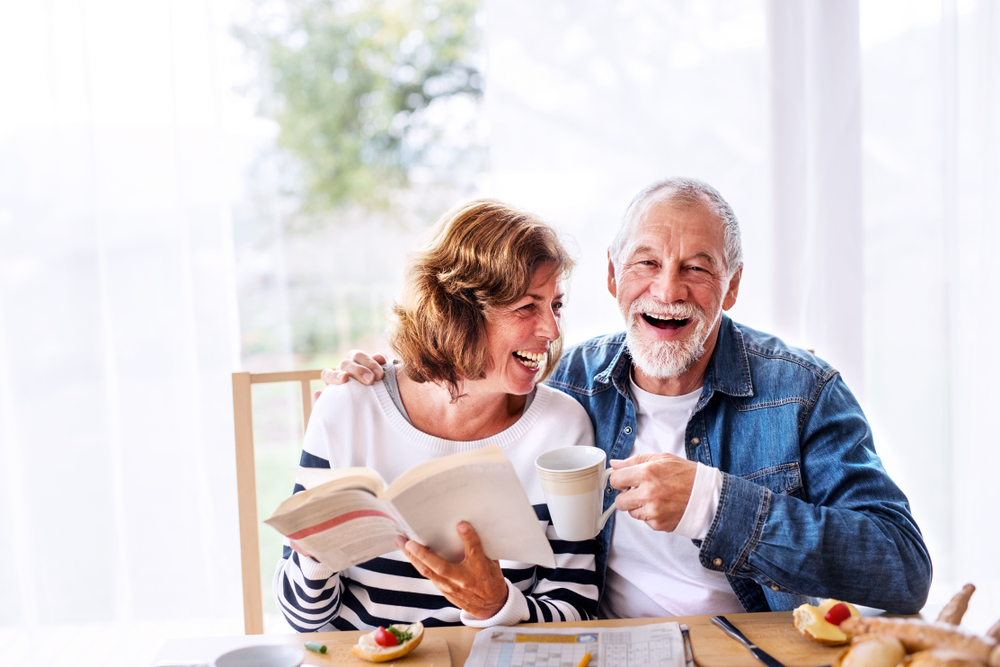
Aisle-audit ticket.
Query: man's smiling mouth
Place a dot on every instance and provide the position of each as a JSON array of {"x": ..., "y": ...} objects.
[{"x": 665, "y": 322}]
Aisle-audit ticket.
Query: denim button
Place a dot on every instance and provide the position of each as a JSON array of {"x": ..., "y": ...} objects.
[
  {"x": 775, "y": 588},
  {"x": 695, "y": 441},
  {"x": 717, "y": 562},
  {"x": 628, "y": 430},
  {"x": 609, "y": 491}
]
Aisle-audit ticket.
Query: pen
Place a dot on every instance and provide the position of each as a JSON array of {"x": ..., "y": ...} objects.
[
  {"x": 688, "y": 652},
  {"x": 584, "y": 660}
]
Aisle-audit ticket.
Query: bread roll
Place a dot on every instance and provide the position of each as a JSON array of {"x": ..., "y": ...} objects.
[
  {"x": 872, "y": 651},
  {"x": 918, "y": 635},
  {"x": 957, "y": 606},
  {"x": 994, "y": 632},
  {"x": 943, "y": 657}
]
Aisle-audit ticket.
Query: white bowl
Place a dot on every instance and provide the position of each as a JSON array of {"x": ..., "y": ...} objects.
[{"x": 262, "y": 656}]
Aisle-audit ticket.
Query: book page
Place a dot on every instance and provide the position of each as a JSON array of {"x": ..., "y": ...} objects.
[
  {"x": 421, "y": 471},
  {"x": 487, "y": 494},
  {"x": 656, "y": 645},
  {"x": 340, "y": 478},
  {"x": 343, "y": 528}
]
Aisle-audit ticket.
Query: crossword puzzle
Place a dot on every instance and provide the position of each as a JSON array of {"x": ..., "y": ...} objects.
[{"x": 614, "y": 650}]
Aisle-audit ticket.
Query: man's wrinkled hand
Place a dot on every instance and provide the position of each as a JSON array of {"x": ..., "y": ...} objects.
[
  {"x": 358, "y": 365},
  {"x": 655, "y": 488},
  {"x": 476, "y": 584}
]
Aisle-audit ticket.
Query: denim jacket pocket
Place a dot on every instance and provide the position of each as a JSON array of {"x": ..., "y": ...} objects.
[{"x": 785, "y": 479}]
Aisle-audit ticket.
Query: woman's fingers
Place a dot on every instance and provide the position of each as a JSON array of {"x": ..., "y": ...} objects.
[
  {"x": 470, "y": 539},
  {"x": 428, "y": 564},
  {"x": 476, "y": 584}
]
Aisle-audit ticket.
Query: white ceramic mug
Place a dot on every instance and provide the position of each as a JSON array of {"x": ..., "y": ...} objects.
[{"x": 573, "y": 480}]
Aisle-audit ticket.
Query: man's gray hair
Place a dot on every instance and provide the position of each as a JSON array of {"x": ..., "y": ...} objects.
[{"x": 685, "y": 191}]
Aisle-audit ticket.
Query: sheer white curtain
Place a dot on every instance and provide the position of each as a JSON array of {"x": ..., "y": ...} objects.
[
  {"x": 858, "y": 144},
  {"x": 931, "y": 73},
  {"x": 118, "y": 330},
  {"x": 815, "y": 131}
]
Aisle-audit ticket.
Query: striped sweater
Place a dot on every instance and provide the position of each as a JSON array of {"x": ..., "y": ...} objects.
[{"x": 356, "y": 425}]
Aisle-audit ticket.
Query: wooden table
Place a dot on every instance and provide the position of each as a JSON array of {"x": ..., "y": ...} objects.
[{"x": 772, "y": 631}]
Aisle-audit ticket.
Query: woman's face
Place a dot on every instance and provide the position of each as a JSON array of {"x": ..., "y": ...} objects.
[{"x": 519, "y": 334}]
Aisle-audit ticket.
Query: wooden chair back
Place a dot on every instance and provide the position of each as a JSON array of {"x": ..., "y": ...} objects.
[{"x": 246, "y": 482}]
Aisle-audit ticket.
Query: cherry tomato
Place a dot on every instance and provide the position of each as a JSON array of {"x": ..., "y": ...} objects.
[
  {"x": 385, "y": 638},
  {"x": 838, "y": 614}
]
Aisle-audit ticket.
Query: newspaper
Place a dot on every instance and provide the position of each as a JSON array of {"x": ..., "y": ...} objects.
[{"x": 657, "y": 645}]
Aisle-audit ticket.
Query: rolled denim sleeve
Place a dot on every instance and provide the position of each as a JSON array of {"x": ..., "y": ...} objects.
[{"x": 849, "y": 536}]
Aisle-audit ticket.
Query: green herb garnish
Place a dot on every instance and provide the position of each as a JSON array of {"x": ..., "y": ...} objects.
[
  {"x": 316, "y": 647},
  {"x": 401, "y": 635}
]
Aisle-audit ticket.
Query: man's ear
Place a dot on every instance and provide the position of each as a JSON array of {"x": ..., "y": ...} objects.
[
  {"x": 733, "y": 291},
  {"x": 612, "y": 285}
]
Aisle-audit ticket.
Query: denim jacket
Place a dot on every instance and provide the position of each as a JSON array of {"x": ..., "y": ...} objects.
[{"x": 806, "y": 508}]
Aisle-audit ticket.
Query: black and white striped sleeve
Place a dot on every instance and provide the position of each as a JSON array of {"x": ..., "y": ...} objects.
[
  {"x": 309, "y": 593},
  {"x": 569, "y": 592}
]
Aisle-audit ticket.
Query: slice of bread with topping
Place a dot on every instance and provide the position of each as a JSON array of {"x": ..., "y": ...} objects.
[
  {"x": 811, "y": 621},
  {"x": 368, "y": 649}
]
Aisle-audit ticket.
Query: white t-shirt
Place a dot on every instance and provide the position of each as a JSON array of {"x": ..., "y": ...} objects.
[{"x": 653, "y": 573}]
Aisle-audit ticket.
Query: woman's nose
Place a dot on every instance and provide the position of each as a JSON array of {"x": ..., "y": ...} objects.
[{"x": 548, "y": 327}]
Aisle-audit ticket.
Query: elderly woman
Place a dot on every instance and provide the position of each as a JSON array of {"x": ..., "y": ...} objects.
[{"x": 477, "y": 330}]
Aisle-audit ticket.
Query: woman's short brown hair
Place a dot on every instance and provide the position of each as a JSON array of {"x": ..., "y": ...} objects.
[{"x": 481, "y": 256}]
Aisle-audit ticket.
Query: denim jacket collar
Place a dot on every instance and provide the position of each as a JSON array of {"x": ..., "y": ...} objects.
[
  {"x": 728, "y": 370},
  {"x": 617, "y": 371}
]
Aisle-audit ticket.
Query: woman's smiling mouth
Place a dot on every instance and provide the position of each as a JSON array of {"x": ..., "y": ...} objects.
[{"x": 530, "y": 360}]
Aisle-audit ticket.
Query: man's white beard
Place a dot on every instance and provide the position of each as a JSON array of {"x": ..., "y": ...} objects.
[{"x": 661, "y": 359}]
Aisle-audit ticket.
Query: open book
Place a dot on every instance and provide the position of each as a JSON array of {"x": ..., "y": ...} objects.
[{"x": 349, "y": 516}]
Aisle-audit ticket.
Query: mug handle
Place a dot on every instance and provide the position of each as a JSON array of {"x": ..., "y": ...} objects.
[{"x": 607, "y": 513}]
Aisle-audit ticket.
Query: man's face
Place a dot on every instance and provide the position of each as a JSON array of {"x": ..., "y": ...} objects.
[{"x": 672, "y": 284}]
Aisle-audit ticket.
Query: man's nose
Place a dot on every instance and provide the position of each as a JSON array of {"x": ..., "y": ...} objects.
[{"x": 669, "y": 287}]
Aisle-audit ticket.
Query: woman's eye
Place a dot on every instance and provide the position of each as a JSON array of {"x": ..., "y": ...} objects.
[{"x": 557, "y": 306}]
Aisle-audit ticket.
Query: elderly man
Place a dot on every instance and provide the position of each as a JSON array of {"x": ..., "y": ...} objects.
[{"x": 746, "y": 466}]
